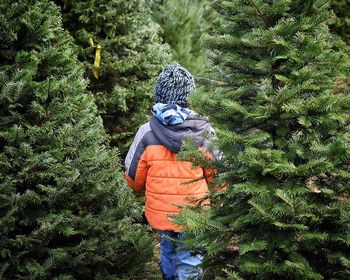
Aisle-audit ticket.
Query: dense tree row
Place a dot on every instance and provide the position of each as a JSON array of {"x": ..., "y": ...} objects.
[
  {"x": 66, "y": 212},
  {"x": 183, "y": 23},
  {"x": 132, "y": 55},
  {"x": 340, "y": 23},
  {"x": 283, "y": 125},
  {"x": 77, "y": 77}
]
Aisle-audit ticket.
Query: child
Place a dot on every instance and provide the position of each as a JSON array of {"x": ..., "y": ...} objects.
[{"x": 151, "y": 164}]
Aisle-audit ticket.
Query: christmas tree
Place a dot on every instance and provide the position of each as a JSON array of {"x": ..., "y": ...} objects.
[
  {"x": 66, "y": 212},
  {"x": 122, "y": 34},
  {"x": 340, "y": 24},
  {"x": 183, "y": 22},
  {"x": 283, "y": 126}
]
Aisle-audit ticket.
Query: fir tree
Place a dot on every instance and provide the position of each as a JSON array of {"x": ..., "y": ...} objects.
[
  {"x": 66, "y": 212},
  {"x": 284, "y": 135},
  {"x": 131, "y": 58},
  {"x": 340, "y": 24},
  {"x": 183, "y": 22}
]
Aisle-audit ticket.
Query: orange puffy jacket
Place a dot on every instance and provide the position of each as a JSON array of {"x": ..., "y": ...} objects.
[{"x": 151, "y": 164}]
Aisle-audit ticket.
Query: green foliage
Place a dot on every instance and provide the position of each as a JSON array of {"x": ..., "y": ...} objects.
[
  {"x": 283, "y": 126},
  {"x": 340, "y": 24},
  {"x": 65, "y": 211},
  {"x": 131, "y": 58},
  {"x": 183, "y": 22}
]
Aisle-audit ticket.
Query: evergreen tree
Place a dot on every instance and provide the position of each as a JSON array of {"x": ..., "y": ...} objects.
[
  {"x": 340, "y": 24},
  {"x": 284, "y": 135},
  {"x": 131, "y": 58},
  {"x": 66, "y": 212},
  {"x": 183, "y": 22}
]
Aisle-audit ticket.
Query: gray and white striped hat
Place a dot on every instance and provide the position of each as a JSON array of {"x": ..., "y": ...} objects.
[{"x": 174, "y": 85}]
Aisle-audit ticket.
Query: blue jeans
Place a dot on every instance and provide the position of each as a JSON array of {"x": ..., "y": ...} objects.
[{"x": 175, "y": 263}]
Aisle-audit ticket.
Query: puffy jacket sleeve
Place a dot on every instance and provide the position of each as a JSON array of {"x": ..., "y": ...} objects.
[
  {"x": 211, "y": 137},
  {"x": 211, "y": 153},
  {"x": 136, "y": 167}
]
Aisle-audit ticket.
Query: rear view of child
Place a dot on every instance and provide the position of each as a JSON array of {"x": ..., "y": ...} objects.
[{"x": 151, "y": 165}]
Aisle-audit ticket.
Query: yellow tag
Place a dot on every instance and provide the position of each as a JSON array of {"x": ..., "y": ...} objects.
[
  {"x": 97, "y": 57},
  {"x": 91, "y": 42}
]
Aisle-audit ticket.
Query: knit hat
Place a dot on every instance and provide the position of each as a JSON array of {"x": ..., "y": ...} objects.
[{"x": 174, "y": 85}]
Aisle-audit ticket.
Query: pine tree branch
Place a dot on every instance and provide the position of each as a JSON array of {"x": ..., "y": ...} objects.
[
  {"x": 247, "y": 71},
  {"x": 324, "y": 4},
  {"x": 252, "y": 2},
  {"x": 298, "y": 6},
  {"x": 221, "y": 83},
  {"x": 276, "y": 83},
  {"x": 322, "y": 21},
  {"x": 110, "y": 114}
]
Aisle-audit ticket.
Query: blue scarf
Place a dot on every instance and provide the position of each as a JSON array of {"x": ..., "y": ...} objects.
[{"x": 170, "y": 114}]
